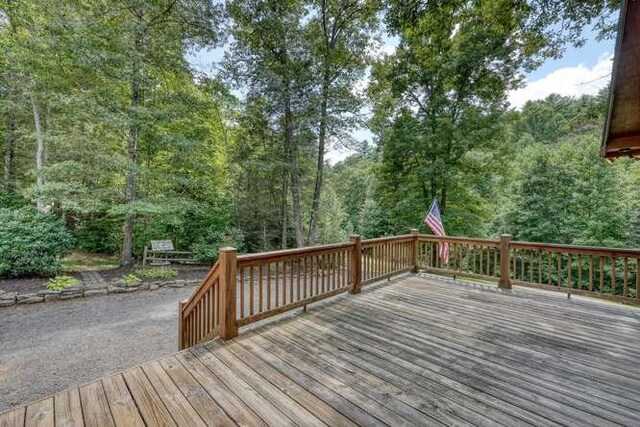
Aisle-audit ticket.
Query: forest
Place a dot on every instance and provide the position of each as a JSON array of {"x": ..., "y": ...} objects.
[{"x": 111, "y": 138}]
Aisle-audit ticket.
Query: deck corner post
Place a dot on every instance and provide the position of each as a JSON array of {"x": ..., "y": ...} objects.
[
  {"x": 416, "y": 250},
  {"x": 228, "y": 267},
  {"x": 181, "y": 305},
  {"x": 505, "y": 255},
  {"x": 356, "y": 264}
]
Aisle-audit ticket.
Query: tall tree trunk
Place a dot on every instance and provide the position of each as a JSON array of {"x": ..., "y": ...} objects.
[
  {"x": 322, "y": 136},
  {"x": 9, "y": 154},
  {"x": 293, "y": 173},
  {"x": 283, "y": 211},
  {"x": 39, "y": 153},
  {"x": 132, "y": 152}
]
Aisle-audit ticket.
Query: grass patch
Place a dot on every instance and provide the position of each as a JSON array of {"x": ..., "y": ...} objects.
[{"x": 85, "y": 261}]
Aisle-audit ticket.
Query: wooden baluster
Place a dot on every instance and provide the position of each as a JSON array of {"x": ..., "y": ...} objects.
[
  {"x": 590, "y": 273},
  {"x": 325, "y": 277},
  {"x": 241, "y": 292},
  {"x": 569, "y": 270},
  {"x": 317, "y": 274},
  {"x": 291, "y": 275},
  {"x": 299, "y": 296},
  {"x": 540, "y": 266},
  {"x": 277, "y": 285},
  {"x": 513, "y": 267},
  {"x": 637, "y": 279},
  {"x": 495, "y": 262},
  {"x": 601, "y": 274},
  {"x": 260, "y": 291},
  {"x": 613, "y": 275},
  {"x": 624, "y": 277},
  {"x": 522, "y": 256},
  {"x": 304, "y": 277},
  {"x": 335, "y": 269},
  {"x": 268, "y": 286},
  {"x": 251, "y": 290},
  {"x": 549, "y": 264},
  {"x": 283, "y": 287},
  {"x": 559, "y": 269},
  {"x": 580, "y": 271}
]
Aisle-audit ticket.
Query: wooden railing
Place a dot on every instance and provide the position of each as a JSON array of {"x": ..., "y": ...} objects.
[
  {"x": 240, "y": 290},
  {"x": 243, "y": 289},
  {"x": 608, "y": 273},
  {"x": 198, "y": 317},
  {"x": 274, "y": 282},
  {"x": 478, "y": 258},
  {"x": 387, "y": 256}
]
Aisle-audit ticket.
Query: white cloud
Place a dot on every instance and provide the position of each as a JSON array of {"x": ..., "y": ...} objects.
[{"x": 568, "y": 81}]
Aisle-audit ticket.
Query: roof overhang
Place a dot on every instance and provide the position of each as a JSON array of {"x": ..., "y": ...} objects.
[{"x": 622, "y": 130}]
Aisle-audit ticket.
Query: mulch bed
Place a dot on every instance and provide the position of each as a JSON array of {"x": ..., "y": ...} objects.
[
  {"x": 35, "y": 284},
  {"x": 30, "y": 284}
]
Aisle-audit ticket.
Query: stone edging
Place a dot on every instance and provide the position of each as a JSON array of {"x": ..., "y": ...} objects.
[{"x": 8, "y": 299}]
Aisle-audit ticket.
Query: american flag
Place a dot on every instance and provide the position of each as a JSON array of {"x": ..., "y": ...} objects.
[{"x": 434, "y": 222}]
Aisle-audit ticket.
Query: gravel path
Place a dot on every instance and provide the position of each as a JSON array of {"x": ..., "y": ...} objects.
[{"x": 49, "y": 347}]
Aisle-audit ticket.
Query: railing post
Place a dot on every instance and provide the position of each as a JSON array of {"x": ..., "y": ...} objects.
[
  {"x": 416, "y": 250},
  {"x": 356, "y": 263},
  {"x": 228, "y": 264},
  {"x": 505, "y": 255},
  {"x": 181, "y": 305}
]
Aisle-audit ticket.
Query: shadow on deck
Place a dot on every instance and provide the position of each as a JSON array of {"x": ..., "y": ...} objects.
[{"x": 416, "y": 350}]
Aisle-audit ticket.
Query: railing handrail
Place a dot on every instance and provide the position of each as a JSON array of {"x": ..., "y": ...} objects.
[
  {"x": 388, "y": 239},
  {"x": 189, "y": 303},
  {"x": 246, "y": 259},
  {"x": 456, "y": 239},
  {"x": 576, "y": 249}
]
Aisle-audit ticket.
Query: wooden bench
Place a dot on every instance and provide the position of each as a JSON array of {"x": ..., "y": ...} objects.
[{"x": 162, "y": 252}]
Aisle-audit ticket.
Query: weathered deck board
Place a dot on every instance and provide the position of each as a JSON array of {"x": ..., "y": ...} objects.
[{"x": 415, "y": 351}]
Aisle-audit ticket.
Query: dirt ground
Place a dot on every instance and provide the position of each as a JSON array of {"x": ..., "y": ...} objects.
[{"x": 45, "y": 348}]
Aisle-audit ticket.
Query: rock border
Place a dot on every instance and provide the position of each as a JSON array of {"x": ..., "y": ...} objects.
[{"x": 9, "y": 299}]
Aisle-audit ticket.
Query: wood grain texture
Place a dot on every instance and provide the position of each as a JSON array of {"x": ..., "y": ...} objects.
[{"x": 417, "y": 350}]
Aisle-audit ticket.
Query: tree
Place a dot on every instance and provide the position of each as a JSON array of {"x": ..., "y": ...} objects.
[
  {"x": 340, "y": 34},
  {"x": 269, "y": 58}
]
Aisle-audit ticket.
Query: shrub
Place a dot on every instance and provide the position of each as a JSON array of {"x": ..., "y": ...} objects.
[
  {"x": 207, "y": 250},
  {"x": 60, "y": 283},
  {"x": 157, "y": 273},
  {"x": 31, "y": 243},
  {"x": 129, "y": 280}
]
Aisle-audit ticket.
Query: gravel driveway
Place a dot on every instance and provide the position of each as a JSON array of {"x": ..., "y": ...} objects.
[{"x": 49, "y": 347}]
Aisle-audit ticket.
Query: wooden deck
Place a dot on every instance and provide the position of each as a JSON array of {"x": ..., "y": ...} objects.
[{"x": 414, "y": 351}]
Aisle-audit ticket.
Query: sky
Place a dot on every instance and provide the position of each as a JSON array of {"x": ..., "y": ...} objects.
[{"x": 580, "y": 71}]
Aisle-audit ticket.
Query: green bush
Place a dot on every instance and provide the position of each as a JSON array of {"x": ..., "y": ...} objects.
[
  {"x": 207, "y": 250},
  {"x": 60, "y": 283},
  {"x": 157, "y": 273},
  {"x": 129, "y": 280},
  {"x": 32, "y": 243}
]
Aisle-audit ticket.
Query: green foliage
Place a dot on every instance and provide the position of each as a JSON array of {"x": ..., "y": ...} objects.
[
  {"x": 31, "y": 243},
  {"x": 133, "y": 136},
  {"x": 129, "y": 280},
  {"x": 60, "y": 283},
  {"x": 157, "y": 273},
  {"x": 206, "y": 250}
]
